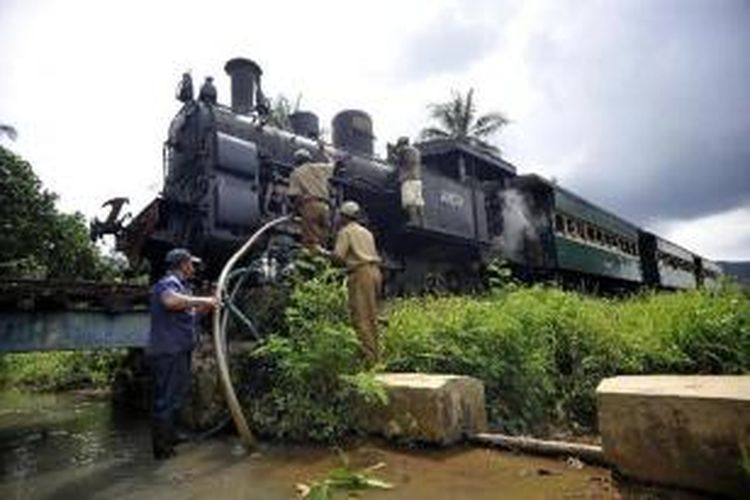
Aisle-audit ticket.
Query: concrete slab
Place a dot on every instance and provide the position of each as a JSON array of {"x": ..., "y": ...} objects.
[
  {"x": 685, "y": 431},
  {"x": 427, "y": 408}
]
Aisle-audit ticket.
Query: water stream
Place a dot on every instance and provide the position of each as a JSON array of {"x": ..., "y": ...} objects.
[{"x": 75, "y": 445}]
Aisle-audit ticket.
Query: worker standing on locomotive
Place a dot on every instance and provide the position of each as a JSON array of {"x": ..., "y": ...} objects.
[
  {"x": 310, "y": 194},
  {"x": 409, "y": 163},
  {"x": 355, "y": 248},
  {"x": 171, "y": 341}
]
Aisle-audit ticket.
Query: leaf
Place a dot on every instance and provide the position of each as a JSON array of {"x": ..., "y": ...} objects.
[{"x": 320, "y": 491}]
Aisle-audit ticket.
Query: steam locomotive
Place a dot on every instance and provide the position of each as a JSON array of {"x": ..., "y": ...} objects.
[{"x": 226, "y": 173}]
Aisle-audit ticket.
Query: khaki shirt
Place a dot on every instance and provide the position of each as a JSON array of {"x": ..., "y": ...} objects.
[
  {"x": 409, "y": 163},
  {"x": 355, "y": 246},
  {"x": 310, "y": 180}
]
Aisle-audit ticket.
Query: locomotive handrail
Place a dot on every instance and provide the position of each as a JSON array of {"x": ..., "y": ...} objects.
[{"x": 219, "y": 336}]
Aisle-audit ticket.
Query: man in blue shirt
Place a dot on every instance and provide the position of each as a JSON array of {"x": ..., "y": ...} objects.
[{"x": 172, "y": 338}]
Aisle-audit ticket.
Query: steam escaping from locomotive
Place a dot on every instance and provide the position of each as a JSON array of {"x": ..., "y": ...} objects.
[{"x": 520, "y": 228}]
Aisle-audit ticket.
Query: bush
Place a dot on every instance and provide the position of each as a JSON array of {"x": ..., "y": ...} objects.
[
  {"x": 306, "y": 375},
  {"x": 541, "y": 351},
  {"x": 53, "y": 371}
]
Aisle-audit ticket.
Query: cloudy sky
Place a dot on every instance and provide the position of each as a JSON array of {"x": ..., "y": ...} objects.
[{"x": 640, "y": 106}]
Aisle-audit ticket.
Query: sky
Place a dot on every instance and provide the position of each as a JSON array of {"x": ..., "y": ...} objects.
[{"x": 640, "y": 106}]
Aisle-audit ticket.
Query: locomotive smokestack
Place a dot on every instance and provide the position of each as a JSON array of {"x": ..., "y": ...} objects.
[{"x": 245, "y": 75}]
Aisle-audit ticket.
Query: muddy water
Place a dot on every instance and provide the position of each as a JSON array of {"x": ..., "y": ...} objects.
[{"x": 77, "y": 446}]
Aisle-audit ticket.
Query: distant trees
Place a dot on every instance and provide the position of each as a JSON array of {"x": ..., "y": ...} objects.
[
  {"x": 281, "y": 109},
  {"x": 36, "y": 240},
  {"x": 458, "y": 119}
]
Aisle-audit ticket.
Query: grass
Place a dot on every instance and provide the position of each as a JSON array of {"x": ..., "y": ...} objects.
[
  {"x": 542, "y": 351},
  {"x": 56, "y": 371}
]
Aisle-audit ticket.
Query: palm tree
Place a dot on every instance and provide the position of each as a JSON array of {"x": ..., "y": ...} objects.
[
  {"x": 281, "y": 108},
  {"x": 457, "y": 119},
  {"x": 8, "y": 130}
]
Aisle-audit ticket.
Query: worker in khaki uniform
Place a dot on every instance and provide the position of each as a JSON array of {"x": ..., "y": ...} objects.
[
  {"x": 308, "y": 187},
  {"x": 355, "y": 248},
  {"x": 410, "y": 176}
]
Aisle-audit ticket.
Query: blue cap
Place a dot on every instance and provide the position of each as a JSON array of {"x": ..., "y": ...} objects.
[{"x": 177, "y": 255}]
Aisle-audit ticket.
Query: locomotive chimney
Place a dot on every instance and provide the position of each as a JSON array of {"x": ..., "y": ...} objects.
[{"x": 245, "y": 76}]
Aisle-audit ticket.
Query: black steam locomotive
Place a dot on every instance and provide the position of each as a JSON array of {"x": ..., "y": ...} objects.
[{"x": 226, "y": 172}]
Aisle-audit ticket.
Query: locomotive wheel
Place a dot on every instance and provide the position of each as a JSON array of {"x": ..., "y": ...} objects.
[{"x": 435, "y": 283}]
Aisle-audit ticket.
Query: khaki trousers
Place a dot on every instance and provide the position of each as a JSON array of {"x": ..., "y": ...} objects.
[
  {"x": 316, "y": 220},
  {"x": 364, "y": 284}
]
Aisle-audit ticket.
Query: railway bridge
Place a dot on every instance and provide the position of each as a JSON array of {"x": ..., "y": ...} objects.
[{"x": 63, "y": 315}]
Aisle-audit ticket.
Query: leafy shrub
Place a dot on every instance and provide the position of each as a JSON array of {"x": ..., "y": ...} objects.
[
  {"x": 52, "y": 371},
  {"x": 541, "y": 351},
  {"x": 311, "y": 365}
]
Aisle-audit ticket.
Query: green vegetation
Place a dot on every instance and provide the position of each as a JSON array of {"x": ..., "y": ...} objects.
[
  {"x": 343, "y": 478},
  {"x": 281, "y": 109},
  {"x": 540, "y": 351},
  {"x": 457, "y": 119},
  {"x": 55, "y": 371},
  {"x": 38, "y": 241},
  {"x": 304, "y": 376}
]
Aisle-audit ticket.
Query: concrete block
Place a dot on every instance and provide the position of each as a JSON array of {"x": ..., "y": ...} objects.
[
  {"x": 685, "y": 431},
  {"x": 435, "y": 409}
]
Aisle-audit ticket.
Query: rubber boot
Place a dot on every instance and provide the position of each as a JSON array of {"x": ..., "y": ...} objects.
[{"x": 162, "y": 441}]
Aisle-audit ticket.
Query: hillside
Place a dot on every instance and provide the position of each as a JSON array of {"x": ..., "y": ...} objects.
[{"x": 739, "y": 269}]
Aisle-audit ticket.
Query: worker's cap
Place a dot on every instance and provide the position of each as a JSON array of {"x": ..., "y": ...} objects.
[
  {"x": 178, "y": 255},
  {"x": 350, "y": 209},
  {"x": 302, "y": 155},
  {"x": 402, "y": 140}
]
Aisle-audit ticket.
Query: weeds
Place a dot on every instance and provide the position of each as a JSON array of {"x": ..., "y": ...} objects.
[
  {"x": 541, "y": 351},
  {"x": 343, "y": 478},
  {"x": 54, "y": 371},
  {"x": 311, "y": 366}
]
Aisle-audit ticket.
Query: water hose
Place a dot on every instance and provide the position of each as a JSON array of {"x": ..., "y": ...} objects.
[{"x": 246, "y": 435}]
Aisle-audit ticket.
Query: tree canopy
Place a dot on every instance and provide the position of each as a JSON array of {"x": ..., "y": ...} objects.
[
  {"x": 458, "y": 119},
  {"x": 36, "y": 240}
]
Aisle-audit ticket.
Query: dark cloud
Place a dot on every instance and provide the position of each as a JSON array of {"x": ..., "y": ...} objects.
[
  {"x": 656, "y": 98},
  {"x": 452, "y": 43}
]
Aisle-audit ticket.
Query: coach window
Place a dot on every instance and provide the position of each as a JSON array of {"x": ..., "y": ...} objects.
[
  {"x": 559, "y": 223},
  {"x": 570, "y": 223},
  {"x": 623, "y": 245},
  {"x": 612, "y": 241}
]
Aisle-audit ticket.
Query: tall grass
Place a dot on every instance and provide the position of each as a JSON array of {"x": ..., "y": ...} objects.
[
  {"x": 54, "y": 371},
  {"x": 542, "y": 351}
]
